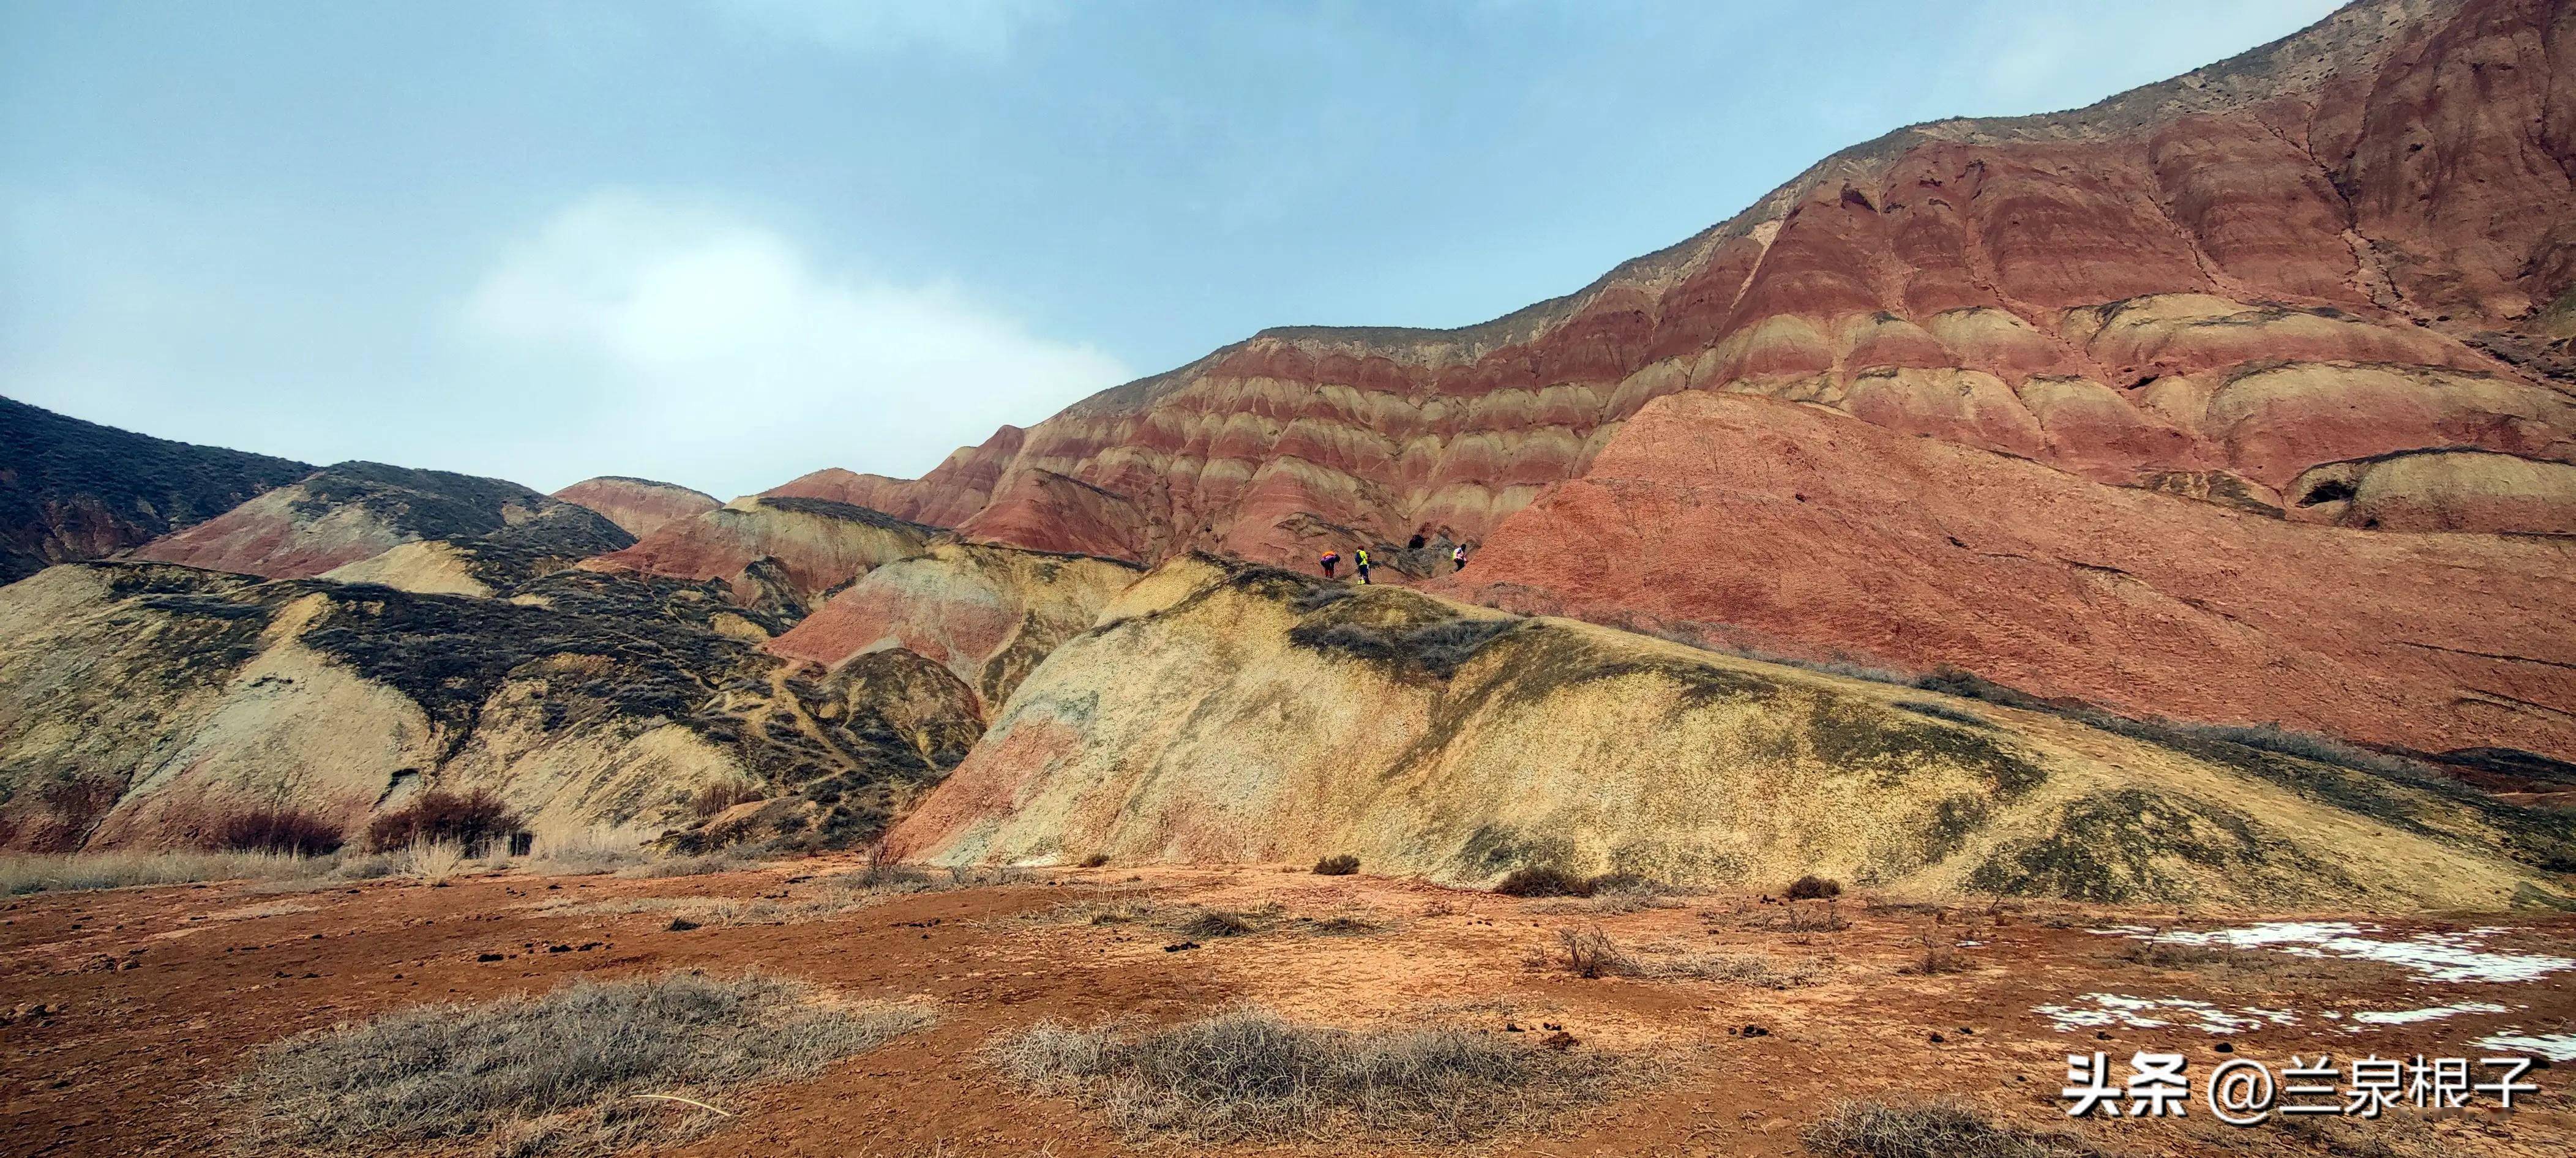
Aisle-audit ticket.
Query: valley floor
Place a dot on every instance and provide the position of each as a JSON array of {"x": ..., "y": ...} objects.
[{"x": 127, "y": 1010}]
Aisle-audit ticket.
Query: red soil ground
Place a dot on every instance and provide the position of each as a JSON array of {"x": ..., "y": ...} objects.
[{"x": 152, "y": 998}]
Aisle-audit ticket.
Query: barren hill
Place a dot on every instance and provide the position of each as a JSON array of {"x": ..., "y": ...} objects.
[
  {"x": 143, "y": 704},
  {"x": 73, "y": 490},
  {"x": 1231, "y": 712}
]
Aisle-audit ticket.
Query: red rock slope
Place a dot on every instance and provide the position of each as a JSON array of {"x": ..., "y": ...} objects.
[
  {"x": 2352, "y": 243},
  {"x": 1787, "y": 527},
  {"x": 641, "y": 506},
  {"x": 988, "y": 614},
  {"x": 778, "y": 553}
]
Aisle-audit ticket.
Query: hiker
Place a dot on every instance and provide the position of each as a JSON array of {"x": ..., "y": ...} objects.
[
  {"x": 1359, "y": 558},
  {"x": 1330, "y": 560},
  {"x": 1458, "y": 558}
]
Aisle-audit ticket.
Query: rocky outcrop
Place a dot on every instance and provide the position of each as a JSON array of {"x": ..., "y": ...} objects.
[
  {"x": 1225, "y": 712},
  {"x": 358, "y": 510},
  {"x": 2353, "y": 242},
  {"x": 142, "y": 705},
  {"x": 988, "y": 613},
  {"x": 73, "y": 490},
  {"x": 1789, "y": 528},
  {"x": 640, "y": 506},
  {"x": 812, "y": 545}
]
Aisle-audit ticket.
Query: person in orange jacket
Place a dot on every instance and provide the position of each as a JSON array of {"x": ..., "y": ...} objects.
[{"x": 1330, "y": 560}]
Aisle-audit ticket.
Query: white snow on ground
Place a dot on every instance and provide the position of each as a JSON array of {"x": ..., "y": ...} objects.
[
  {"x": 2430, "y": 1013},
  {"x": 2557, "y": 1047},
  {"x": 2098, "y": 1010},
  {"x": 2450, "y": 957}
]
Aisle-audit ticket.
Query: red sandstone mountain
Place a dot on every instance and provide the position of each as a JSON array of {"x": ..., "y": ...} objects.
[
  {"x": 1785, "y": 527},
  {"x": 2353, "y": 243},
  {"x": 641, "y": 506},
  {"x": 354, "y": 511},
  {"x": 778, "y": 553}
]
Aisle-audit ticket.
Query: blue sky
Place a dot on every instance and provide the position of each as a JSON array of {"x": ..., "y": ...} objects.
[{"x": 725, "y": 242}]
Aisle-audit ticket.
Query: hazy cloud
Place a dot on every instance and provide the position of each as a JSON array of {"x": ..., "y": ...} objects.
[{"x": 717, "y": 346}]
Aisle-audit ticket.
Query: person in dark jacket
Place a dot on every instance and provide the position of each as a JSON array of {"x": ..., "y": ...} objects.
[{"x": 1361, "y": 559}]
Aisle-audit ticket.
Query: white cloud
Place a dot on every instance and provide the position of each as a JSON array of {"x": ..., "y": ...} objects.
[
  {"x": 715, "y": 352},
  {"x": 972, "y": 27}
]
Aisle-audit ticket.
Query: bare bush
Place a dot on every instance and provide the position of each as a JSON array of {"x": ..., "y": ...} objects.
[
  {"x": 1543, "y": 881},
  {"x": 558, "y": 1074},
  {"x": 1813, "y": 888},
  {"x": 280, "y": 829},
  {"x": 1248, "y": 1075},
  {"x": 1340, "y": 864},
  {"x": 471, "y": 820},
  {"x": 1869, "y": 1129},
  {"x": 1939, "y": 956},
  {"x": 1591, "y": 953}
]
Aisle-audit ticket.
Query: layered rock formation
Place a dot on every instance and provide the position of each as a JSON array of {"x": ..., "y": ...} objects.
[
  {"x": 1226, "y": 712},
  {"x": 2343, "y": 245},
  {"x": 358, "y": 510},
  {"x": 988, "y": 613},
  {"x": 776, "y": 552},
  {"x": 640, "y": 506},
  {"x": 73, "y": 490},
  {"x": 1787, "y": 527},
  {"x": 142, "y": 705}
]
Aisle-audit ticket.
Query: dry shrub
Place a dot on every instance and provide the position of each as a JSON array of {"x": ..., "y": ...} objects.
[
  {"x": 1340, "y": 864},
  {"x": 1248, "y": 1075},
  {"x": 1939, "y": 956},
  {"x": 1813, "y": 888},
  {"x": 580, "y": 850},
  {"x": 1743, "y": 969},
  {"x": 723, "y": 794},
  {"x": 433, "y": 861},
  {"x": 1543, "y": 881},
  {"x": 1095, "y": 860},
  {"x": 1869, "y": 1129},
  {"x": 558, "y": 1074},
  {"x": 1591, "y": 953},
  {"x": 287, "y": 830},
  {"x": 471, "y": 820},
  {"x": 70, "y": 872}
]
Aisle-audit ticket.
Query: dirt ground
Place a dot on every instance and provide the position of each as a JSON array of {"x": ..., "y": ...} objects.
[{"x": 126, "y": 1010}]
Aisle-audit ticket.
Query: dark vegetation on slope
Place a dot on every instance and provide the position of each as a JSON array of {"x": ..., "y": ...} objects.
[
  {"x": 73, "y": 490},
  {"x": 609, "y": 654},
  {"x": 846, "y": 512}
]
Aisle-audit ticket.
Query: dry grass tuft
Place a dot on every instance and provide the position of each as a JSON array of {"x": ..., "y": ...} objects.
[
  {"x": 1248, "y": 1075},
  {"x": 1939, "y": 956},
  {"x": 70, "y": 872},
  {"x": 1868, "y": 1129},
  {"x": 563, "y": 1074},
  {"x": 1753, "y": 969},
  {"x": 432, "y": 862}
]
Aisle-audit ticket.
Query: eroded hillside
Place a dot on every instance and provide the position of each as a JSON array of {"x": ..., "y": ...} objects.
[
  {"x": 1227, "y": 712},
  {"x": 144, "y": 704}
]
